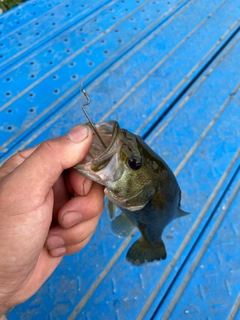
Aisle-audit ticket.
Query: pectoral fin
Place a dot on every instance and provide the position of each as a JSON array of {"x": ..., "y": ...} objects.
[
  {"x": 112, "y": 209},
  {"x": 181, "y": 213},
  {"x": 141, "y": 252},
  {"x": 122, "y": 225}
]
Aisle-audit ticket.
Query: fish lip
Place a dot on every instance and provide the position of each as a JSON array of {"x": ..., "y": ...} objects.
[
  {"x": 102, "y": 128},
  {"x": 98, "y": 156}
]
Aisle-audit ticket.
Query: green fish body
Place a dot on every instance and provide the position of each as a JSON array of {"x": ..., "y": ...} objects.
[{"x": 137, "y": 181}]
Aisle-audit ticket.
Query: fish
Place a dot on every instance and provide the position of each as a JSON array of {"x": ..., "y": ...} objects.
[{"x": 138, "y": 182}]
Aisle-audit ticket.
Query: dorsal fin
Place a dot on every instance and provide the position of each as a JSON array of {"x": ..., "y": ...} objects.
[{"x": 181, "y": 213}]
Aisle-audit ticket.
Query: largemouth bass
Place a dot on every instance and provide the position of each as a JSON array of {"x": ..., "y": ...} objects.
[{"x": 137, "y": 181}]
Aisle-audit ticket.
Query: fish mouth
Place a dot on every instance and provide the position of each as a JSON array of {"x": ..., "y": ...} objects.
[{"x": 99, "y": 157}]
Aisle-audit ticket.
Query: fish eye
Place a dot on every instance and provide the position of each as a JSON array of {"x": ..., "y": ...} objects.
[{"x": 135, "y": 162}]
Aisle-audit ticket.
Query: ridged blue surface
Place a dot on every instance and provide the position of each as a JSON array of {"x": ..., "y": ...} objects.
[
  {"x": 167, "y": 70},
  {"x": 213, "y": 262}
]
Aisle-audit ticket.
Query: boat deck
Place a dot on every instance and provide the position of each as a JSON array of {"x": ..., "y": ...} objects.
[{"x": 168, "y": 71}]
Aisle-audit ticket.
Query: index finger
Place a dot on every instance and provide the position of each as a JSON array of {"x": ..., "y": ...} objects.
[
  {"x": 14, "y": 161},
  {"x": 78, "y": 184}
]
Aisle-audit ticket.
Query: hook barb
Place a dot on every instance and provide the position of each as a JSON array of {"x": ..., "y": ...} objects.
[{"x": 89, "y": 120}]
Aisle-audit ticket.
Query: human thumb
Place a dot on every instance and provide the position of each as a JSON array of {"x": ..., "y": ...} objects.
[{"x": 44, "y": 166}]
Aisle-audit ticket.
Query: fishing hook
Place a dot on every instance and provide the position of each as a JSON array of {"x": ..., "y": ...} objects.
[{"x": 91, "y": 123}]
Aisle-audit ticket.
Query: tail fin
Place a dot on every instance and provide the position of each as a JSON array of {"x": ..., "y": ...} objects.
[{"x": 141, "y": 252}]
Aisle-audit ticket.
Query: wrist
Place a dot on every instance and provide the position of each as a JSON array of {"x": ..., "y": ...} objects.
[{"x": 2, "y": 317}]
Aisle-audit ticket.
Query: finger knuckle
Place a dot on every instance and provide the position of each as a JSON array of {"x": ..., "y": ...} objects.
[
  {"x": 97, "y": 207},
  {"x": 74, "y": 248},
  {"x": 49, "y": 146}
]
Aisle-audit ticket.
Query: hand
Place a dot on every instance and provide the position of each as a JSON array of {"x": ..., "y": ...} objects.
[{"x": 45, "y": 213}]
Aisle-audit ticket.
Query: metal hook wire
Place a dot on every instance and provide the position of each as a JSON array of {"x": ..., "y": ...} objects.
[{"x": 91, "y": 123}]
